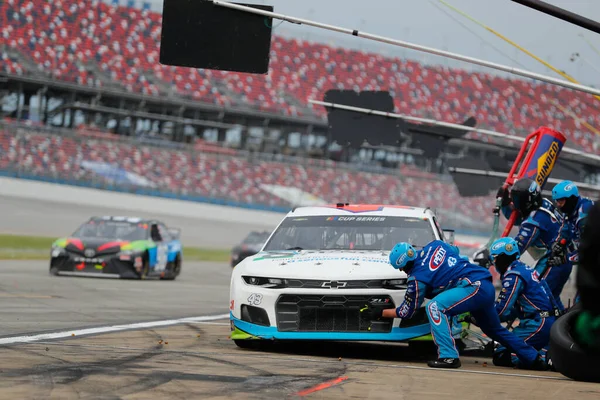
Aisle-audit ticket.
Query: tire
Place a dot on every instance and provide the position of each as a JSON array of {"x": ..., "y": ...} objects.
[
  {"x": 145, "y": 268},
  {"x": 54, "y": 271},
  {"x": 568, "y": 357},
  {"x": 174, "y": 269}
]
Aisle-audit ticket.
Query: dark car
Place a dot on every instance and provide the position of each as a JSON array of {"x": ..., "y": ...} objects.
[
  {"x": 249, "y": 246},
  {"x": 119, "y": 247}
]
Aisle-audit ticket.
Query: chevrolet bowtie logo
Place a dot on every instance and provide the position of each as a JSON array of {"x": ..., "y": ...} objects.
[{"x": 334, "y": 284}]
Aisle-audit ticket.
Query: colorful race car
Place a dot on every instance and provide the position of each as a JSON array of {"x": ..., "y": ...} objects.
[
  {"x": 119, "y": 247},
  {"x": 323, "y": 264}
]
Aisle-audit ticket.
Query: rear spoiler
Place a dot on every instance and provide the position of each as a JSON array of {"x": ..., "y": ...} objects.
[{"x": 175, "y": 233}]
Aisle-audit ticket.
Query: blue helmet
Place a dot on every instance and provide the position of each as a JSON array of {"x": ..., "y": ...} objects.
[
  {"x": 505, "y": 245},
  {"x": 564, "y": 190},
  {"x": 401, "y": 254}
]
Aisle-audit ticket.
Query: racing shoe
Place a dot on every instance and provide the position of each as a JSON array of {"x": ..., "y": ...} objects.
[{"x": 445, "y": 363}]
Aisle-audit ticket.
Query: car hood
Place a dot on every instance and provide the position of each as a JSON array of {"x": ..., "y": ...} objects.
[
  {"x": 330, "y": 264},
  {"x": 99, "y": 245}
]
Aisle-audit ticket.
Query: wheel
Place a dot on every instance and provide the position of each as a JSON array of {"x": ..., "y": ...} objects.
[
  {"x": 568, "y": 357},
  {"x": 54, "y": 271},
  {"x": 145, "y": 269},
  {"x": 174, "y": 269}
]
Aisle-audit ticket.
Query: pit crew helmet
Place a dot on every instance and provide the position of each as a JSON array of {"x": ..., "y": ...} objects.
[
  {"x": 566, "y": 190},
  {"x": 526, "y": 196},
  {"x": 503, "y": 252},
  {"x": 402, "y": 254}
]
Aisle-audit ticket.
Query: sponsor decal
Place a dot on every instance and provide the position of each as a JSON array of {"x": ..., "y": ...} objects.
[
  {"x": 358, "y": 219},
  {"x": 437, "y": 258},
  {"x": 506, "y": 284},
  {"x": 434, "y": 312},
  {"x": 232, "y": 305},
  {"x": 535, "y": 276},
  {"x": 546, "y": 163},
  {"x": 452, "y": 261},
  {"x": 509, "y": 247}
]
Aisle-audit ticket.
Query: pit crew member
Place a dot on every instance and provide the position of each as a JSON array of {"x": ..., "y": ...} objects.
[
  {"x": 541, "y": 226},
  {"x": 576, "y": 209},
  {"x": 455, "y": 287},
  {"x": 523, "y": 296}
]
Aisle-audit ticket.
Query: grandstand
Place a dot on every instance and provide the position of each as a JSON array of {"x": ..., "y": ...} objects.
[{"x": 88, "y": 52}]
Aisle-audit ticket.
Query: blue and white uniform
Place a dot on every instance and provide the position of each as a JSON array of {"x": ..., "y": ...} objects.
[
  {"x": 455, "y": 286},
  {"x": 537, "y": 233},
  {"x": 526, "y": 297}
]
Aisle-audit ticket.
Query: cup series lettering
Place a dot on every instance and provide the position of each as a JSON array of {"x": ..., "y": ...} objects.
[{"x": 363, "y": 219}]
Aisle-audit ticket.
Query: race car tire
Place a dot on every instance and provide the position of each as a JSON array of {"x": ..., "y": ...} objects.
[
  {"x": 568, "y": 357},
  {"x": 174, "y": 269},
  {"x": 145, "y": 268},
  {"x": 54, "y": 271}
]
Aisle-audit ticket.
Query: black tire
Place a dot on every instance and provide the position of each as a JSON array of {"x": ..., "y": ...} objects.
[
  {"x": 568, "y": 357},
  {"x": 174, "y": 269},
  {"x": 145, "y": 268},
  {"x": 54, "y": 271}
]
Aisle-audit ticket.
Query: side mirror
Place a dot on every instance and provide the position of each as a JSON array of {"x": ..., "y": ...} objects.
[
  {"x": 175, "y": 233},
  {"x": 449, "y": 236}
]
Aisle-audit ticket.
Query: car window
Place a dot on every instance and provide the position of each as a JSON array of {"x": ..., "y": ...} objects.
[
  {"x": 115, "y": 230},
  {"x": 350, "y": 233},
  {"x": 164, "y": 232}
]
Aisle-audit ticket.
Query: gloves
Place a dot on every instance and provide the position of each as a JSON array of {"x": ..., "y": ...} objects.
[
  {"x": 555, "y": 261},
  {"x": 468, "y": 318},
  {"x": 558, "y": 255},
  {"x": 504, "y": 194},
  {"x": 372, "y": 312}
]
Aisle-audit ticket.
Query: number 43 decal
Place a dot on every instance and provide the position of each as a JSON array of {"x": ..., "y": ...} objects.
[{"x": 255, "y": 299}]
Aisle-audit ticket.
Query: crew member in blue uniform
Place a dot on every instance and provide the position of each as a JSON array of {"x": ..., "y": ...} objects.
[
  {"x": 455, "y": 286},
  {"x": 523, "y": 296},
  {"x": 576, "y": 209},
  {"x": 540, "y": 227}
]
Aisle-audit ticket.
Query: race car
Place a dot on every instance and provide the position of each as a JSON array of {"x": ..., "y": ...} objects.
[
  {"x": 320, "y": 266},
  {"x": 249, "y": 246},
  {"x": 119, "y": 247}
]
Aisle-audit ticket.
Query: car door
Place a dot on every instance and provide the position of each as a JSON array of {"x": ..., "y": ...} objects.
[{"x": 161, "y": 248}]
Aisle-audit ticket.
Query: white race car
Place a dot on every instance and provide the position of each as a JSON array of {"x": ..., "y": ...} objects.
[{"x": 320, "y": 266}]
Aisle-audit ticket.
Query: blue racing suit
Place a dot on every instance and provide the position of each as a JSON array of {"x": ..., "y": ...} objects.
[
  {"x": 540, "y": 230},
  {"x": 526, "y": 297},
  {"x": 455, "y": 286}
]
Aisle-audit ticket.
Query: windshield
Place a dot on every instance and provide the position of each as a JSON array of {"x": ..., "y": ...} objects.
[
  {"x": 349, "y": 233},
  {"x": 113, "y": 230}
]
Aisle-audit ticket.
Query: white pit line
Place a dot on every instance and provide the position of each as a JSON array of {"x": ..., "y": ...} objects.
[{"x": 107, "y": 329}]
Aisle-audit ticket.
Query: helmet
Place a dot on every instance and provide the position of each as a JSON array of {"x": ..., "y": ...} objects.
[
  {"x": 526, "y": 195},
  {"x": 402, "y": 254},
  {"x": 504, "y": 252},
  {"x": 505, "y": 245},
  {"x": 564, "y": 190}
]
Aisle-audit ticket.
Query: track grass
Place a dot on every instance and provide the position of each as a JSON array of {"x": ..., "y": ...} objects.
[{"x": 18, "y": 247}]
